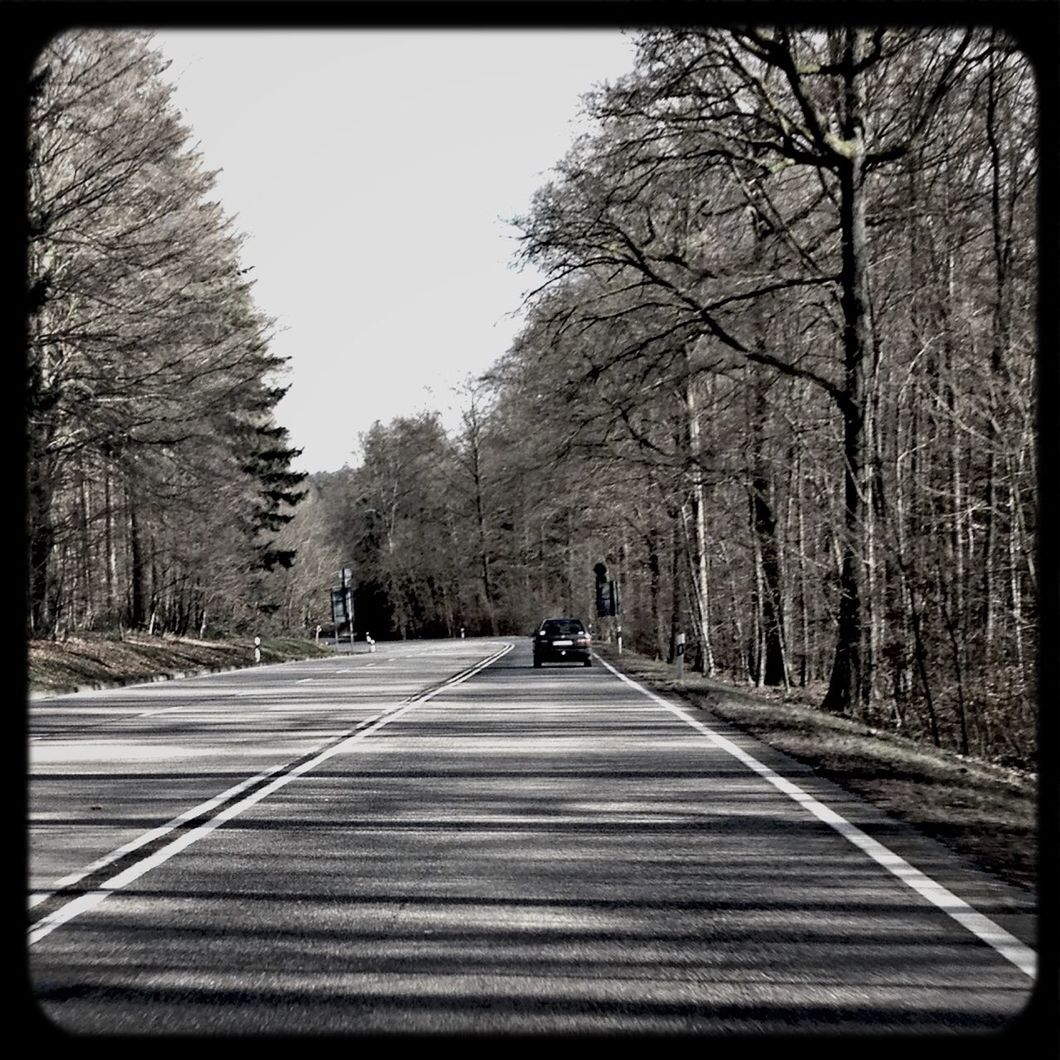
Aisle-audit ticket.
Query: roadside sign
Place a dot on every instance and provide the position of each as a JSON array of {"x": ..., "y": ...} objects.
[
  {"x": 338, "y": 607},
  {"x": 606, "y": 598}
]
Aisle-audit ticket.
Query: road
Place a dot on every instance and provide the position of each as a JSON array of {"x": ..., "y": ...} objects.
[{"x": 438, "y": 838}]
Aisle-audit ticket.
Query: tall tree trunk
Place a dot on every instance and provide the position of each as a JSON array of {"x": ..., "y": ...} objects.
[
  {"x": 654, "y": 586},
  {"x": 41, "y": 534},
  {"x": 695, "y": 528},
  {"x": 678, "y": 551},
  {"x": 137, "y": 602},
  {"x": 773, "y": 668},
  {"x": 998, "y": 349},
  {"x": 570, "y": 575},
  {"x": 87, "y": 559},
  {"x": 480, "y": 520},
  {"x": 1016, "y": 556},
  {"x": 110, "y": 544},
  {"x": 806, "y": 667},
  {"x": 851, "y": 678}
]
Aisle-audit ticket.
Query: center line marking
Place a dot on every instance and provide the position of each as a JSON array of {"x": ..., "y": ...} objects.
[
  {"x": 995, "y": 936},
  {"x": 90, "y": 899}
]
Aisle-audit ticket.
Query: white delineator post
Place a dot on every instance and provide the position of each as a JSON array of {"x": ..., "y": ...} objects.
[
  {"x": 257, "y": 649},
  {"x": 679, "y": 655}
]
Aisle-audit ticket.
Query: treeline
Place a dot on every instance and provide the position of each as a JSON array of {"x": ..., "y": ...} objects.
[
  {"x": 780, "y": 379},
  {"x": 157, "y": 476}
]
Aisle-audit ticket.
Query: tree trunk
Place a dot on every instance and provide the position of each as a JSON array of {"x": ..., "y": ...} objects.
[
  {"x": 998, "y": 349},
  {"x": 695, "y": 530},
  {"x": 110, "y": 544},
  {"x": 483, "y": 549},
  {"x": 773, "y": 669},
  {"x": 137, "y": 602},
  {"x": 86, "y": 568},
  {"x": 677, "y": 551},
  {"x": 805, "y": 666},
  {"x": 654, "y": 584},
  {"x": 41, "y": 536},
  {"x": 851, "y": 678}
]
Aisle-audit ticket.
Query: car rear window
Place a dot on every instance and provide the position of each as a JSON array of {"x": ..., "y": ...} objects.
[{"x": 563, "y": 627}]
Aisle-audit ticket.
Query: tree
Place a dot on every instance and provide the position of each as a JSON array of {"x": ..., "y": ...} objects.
[
  {"x": 795, "y": 125},
  {"x": 149, "y": 364}
]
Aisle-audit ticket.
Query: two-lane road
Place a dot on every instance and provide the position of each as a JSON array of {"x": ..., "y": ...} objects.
[{"x": 437, "y": 837}]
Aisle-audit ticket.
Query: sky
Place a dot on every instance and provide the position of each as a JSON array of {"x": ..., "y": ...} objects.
[{"x": 373, "y": 174}]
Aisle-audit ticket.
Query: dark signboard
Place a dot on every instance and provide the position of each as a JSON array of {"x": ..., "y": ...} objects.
[
  {"x": 606, "y": 598},
  {"x": 338, "y": 606}
]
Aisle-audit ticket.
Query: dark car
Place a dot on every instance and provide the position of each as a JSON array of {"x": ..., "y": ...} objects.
[{"x": 562, "y": 640}]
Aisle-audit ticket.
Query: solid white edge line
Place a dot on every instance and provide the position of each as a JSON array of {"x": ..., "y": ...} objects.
[
  {"x": 93, "y": 898},
  {"x": 995, "y": 936}
]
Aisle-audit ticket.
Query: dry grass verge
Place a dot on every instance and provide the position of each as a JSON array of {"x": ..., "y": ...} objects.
[{"x": 96, "y": 660}]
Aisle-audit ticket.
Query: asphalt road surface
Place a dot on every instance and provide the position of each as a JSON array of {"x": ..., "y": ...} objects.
[{"x": 437, "y": 837}]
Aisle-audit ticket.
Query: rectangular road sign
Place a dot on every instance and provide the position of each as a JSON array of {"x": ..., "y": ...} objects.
[{"x": 338, "y": 606}]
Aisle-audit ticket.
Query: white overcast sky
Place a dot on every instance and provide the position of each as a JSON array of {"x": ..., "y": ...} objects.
[{"x": 372, "y": 172}]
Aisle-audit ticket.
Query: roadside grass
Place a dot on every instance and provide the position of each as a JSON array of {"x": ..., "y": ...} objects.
[
  {"x": 100, "y": 660},
  {"x": 987, "y": 813}
]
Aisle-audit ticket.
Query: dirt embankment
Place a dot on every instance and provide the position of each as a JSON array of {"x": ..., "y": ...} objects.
[{"x": 94, "y": 661}]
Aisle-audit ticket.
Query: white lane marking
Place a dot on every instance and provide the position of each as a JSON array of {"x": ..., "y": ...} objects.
[
  {"x": 263, "y": 693},
  {"x": 155, "y": 833},
  {"x": 93, "y": 898},
  {"x": 1010, "y": 947},
  {"x": 303, "y": 680}
]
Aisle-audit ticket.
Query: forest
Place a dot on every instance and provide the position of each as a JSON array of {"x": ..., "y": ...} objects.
[
  {"x": 157, "y": 476},
  {"x": 779, "y": 377}
]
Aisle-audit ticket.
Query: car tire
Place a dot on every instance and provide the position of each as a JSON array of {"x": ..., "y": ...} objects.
[
  {"x": 588, "y": 662},
  {"x": 537, "y": 664}
]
